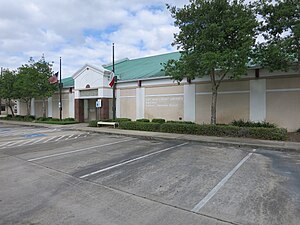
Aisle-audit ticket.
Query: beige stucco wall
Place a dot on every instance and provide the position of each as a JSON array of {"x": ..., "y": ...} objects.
[
  {"x": 22, "y": 110},
  {"x": 164, "y": 102},
  {"x": 229, "y": 107},
  {"x": 65, "y": 104},
  {"x": 127, "y": 92},
  {"x": 283, "y": 83},
  {"x": 282, "y": 103},
  {"x": 128, "y": 103},
  {"x": 39, "y": 108},
  {"x": 232, "y": 102},
  {"x": 178, "y": 89},
  {"x": 127, "y": 106}
]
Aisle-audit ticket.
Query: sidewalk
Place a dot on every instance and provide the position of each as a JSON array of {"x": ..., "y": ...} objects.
[{"x": 245, "y": 142}]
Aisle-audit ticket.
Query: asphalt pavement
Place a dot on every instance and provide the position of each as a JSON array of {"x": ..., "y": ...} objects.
[{"x": 111, "y": 176}]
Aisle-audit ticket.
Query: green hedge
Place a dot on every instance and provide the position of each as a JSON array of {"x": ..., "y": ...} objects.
[
  {"x": 93, "y": 123},
  {"x": 227, "y": 131},
  {"x": 158, "y": 120},
  {"x": 143, "y": 120},
  {"x": 19, "y": 118},
  {"x": 183, "y": 122},
  {"x": 242, "y": 123},
  {"x": 145, "y": 126},
  {"x": 120, "y": 120}
]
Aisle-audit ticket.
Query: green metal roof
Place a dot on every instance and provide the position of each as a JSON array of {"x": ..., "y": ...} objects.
[
  {"x": 141, "y": 68},
  {"x": 68, "y": 82},
  {"x": 135, "y": 69}
]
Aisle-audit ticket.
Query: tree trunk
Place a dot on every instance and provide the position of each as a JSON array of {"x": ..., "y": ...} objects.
[
  {"x": 44, "y": 108},
  {"x": 213, "y": 119},
  {"x": 28, "y": 104},
  {"x": 10, "y": 107}
]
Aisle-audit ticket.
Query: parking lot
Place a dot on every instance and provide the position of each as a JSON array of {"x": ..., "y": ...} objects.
[{"x": 57, "y": 176}]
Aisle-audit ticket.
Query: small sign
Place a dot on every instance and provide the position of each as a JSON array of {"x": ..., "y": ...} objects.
[{"x": 98, "y": 103}]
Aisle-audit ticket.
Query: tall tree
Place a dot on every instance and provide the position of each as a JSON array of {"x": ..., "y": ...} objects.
[
  {"x": 44, "y": 88},
  {"x": 215, "y": 39},
  {"x": 280, "y": 27},
  {"x": 7, "y": 90},
  {"x": 32, "y": 82}
]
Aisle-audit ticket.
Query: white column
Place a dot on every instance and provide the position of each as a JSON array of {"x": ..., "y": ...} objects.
[
  {"x": 189, "y": 102},
  {"x": 258, "y": 100},
  {"x": 18, "y": 107},
  {"x": 140, "y": 103},
  {"x": 32, "y": 110},
  {"x": 50, "y": 107},
  {"x": 71, "y": 105},
  {"x": 118, "y": 103}
]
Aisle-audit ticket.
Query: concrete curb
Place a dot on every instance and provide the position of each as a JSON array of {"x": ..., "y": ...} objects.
[{"x": 229, "y": 141}]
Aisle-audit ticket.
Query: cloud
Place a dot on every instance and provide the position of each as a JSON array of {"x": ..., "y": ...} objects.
[{"x": 82, "y": 31}]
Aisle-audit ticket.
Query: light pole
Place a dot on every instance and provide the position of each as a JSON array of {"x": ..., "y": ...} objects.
[
  {"x": 60, "y": 90},
  {"x": 115, "y": 80}
]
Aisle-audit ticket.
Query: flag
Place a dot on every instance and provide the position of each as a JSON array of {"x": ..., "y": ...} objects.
[
  {"x": 53, "y": 79},
  {"x": 112, "y": 82}
]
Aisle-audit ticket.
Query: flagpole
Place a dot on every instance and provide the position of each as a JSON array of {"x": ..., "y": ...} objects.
[
  {"x": 114, "y": 85},
  {"x": 60, "y": 94}
]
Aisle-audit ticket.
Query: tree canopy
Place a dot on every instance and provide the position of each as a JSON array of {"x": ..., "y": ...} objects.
[
  {"x": 7, "y": 90},
  {"x": 280, "y": 27},
  {"x": 215, "y": 39},
  {"x": 28, "y": 81}
]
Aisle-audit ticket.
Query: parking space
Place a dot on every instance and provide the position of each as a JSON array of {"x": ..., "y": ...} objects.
[
  {"x": 111, "y": 179},
  {"x": 12, "y": 136}
]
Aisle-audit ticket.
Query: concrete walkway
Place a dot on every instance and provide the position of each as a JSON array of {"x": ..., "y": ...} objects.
[{"x": 245, "y": 142}]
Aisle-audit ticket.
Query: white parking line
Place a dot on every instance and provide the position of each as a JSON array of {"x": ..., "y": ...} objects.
[
  {"x": 50, "y": 139},
  {"x": 26, "y": 142},
  {"x": 60, "y": 138},
  {"x": 220, "y": 184},
  {"x": 131, "y": 160},
  {"x": 78, "y": 150},
  {"x": 69, "y": 137},
  {"x": 41, "y": 139}
]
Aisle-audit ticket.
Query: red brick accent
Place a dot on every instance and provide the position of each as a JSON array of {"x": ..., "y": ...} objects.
[
  {"x": 79, "y": 110},
  {"x": 104, "y": 110}
]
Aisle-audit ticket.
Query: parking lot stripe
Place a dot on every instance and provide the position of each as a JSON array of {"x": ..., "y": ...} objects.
[
  {"x": 220, "y": 184},
  {"x": 50, "y": 139},
  {"x": 78, "y": 150},
  {"x": 131, "y": 160}
]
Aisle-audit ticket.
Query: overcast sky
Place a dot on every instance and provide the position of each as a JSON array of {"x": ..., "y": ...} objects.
[{"x": 82, "y": 31}]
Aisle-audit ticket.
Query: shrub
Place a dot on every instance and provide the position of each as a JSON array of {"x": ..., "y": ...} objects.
[
  {"x": 122, "y": 120},
  {"x": 229, "y": 131},
  {"x": 43, "y": 119},
  {"x": 158, "y": 120},
  {"x": 54, "y": 119},
  {"x": 69, "y": 119},
  {"x": 143, "y": 120},
  {"x": 298, "y": 130},
  {"x": 183, "y": 122},
  {"x": 93, "y": 123},
  {"x": 28, "y": 118},
  {"x": 107, "y": 120},
  {"x": 242, "y": 123},
  {"x": 135, "y": 125}
]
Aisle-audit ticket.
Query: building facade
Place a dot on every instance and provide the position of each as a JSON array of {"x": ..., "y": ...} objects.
[{"x": 143, "y": 91}]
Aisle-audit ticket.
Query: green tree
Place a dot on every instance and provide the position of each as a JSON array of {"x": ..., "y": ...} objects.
[
  {"x": 280, "y": 27},
  {"x": 7, "y": 90},
  {"x": 32, "y": 82},
  {"x": 215, "y": 39}
]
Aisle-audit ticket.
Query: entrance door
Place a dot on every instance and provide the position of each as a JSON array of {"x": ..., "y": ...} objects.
[{"x": 92, "y": 109}]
